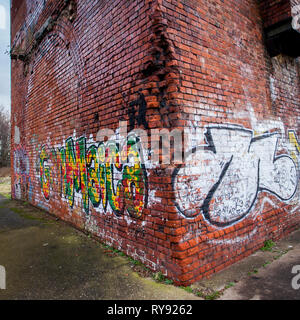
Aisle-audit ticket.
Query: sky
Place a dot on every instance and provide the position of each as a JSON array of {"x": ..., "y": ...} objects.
[{"x": 4, "y": 56}]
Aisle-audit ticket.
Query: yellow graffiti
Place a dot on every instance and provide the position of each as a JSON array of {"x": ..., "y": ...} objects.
[
  {"x": 294, "y": 142},
  {"x": 104, "y": 174}
]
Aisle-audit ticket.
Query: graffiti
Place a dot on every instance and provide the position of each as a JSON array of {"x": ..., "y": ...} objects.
[
  {"x": 105, "y": 174},
  {"x": 21, "y": 170},
  {"x": 140, "y": 118},
  {"x": 223, "y": 178},
  {"x": 296, "y": 17},
  {"x": 294, "y": 142}
]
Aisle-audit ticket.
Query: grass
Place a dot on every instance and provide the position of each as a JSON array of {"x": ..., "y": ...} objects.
[
  {"x": 135, "y": 262},
  {"x": 169, "y": 281},
  {"x": 159, "y": 277},
  {"x": 215, "y": 295},
  {"x": 208, "y": 294},
  {"x": 211, "y": 296},
  {"x": 229, "y": 285},
  {"x": 266, "y": 263},
  {"x": 254, "y": 271},
  {"x": 268, "y": 245},
  {"x": 188, "y": 289}
]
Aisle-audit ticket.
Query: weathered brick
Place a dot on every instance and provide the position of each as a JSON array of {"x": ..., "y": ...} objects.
[{"x": 161, "y": 64}]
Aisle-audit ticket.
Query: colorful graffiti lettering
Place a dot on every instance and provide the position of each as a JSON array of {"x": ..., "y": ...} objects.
[
  {"x": 103, "y": 173},
  {"x": 223, "y": 178}
]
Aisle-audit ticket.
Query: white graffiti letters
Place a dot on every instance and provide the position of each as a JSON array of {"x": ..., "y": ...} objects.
[
  {"x": 296, "y": 17},
  {"x": 222, "y": 179}
]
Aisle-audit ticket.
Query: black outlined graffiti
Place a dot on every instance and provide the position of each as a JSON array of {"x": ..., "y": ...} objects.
[
  {"x": 223, "y": 178},
  {"x": 99, "y": 173}
]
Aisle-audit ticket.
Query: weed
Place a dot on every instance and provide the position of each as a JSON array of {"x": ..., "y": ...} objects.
[
  {"x": 229, "y": 285},
  {"x": 159, "y": 277},
  {"x": 213, "y": 296},
  {"x": 136, "y": 262},
  {"x": 200, "y": 294},
  {"x": 188, "y": 289},
  {"x": 122, "y": 254},
  {"x": 169, "y": 281},
  {"x": 268, "y": 245},
  {"x": 252, "y": 272},
  {"x": 266, "y": 263}
]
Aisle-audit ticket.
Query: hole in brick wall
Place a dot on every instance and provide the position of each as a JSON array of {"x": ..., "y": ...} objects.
[
  {"x": 161, "y": 77},
  {"x": 162, "y": 90},
  {"x": 96, "y": 117},
  {"x": 150, "y": 69}
]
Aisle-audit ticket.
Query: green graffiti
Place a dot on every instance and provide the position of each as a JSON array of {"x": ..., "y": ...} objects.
[{"x": 98, "y": 174}]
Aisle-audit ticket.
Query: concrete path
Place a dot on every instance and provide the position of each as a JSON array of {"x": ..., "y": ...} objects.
[
  {"x": 271, "y": 283},
  {"x": 47, "y": 259},
  {"x": 265, "y": 275},
  {"x": 274, "y": 280}
]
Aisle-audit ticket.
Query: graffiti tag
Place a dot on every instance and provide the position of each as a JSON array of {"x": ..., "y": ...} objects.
[
  {"x": 223, "y": 178},
  {"x": 104, "y": 174}
]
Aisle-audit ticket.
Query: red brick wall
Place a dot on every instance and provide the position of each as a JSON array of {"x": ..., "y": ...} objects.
[
  {"x": 83, "y": 76},
  {"x": 227, "y": 78},
  {"x": 191, "y": 65},
  {"x": 274, "y": 11}
]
